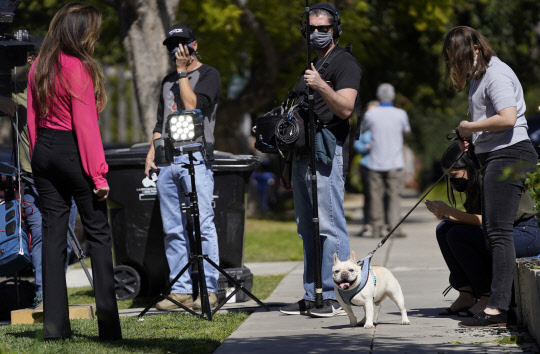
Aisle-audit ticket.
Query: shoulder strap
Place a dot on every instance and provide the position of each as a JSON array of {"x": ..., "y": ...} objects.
[{"x": 330, "y": 58}]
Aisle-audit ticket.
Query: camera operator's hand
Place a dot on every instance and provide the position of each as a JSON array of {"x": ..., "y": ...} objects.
[
  {"x": 8, "y": 106},
  {"x": 102, "y": 193},
  {"x": 149, "y": 165},
  {"x": 313, "y": 79},
  {"x": 285, "y": 179},
  {"x": 183, "y": 59}
]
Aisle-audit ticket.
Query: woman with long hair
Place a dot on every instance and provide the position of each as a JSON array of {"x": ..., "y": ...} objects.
[
  {"x": 65, "y": 95},
  {"x": 498, "y": 132},
  {"x": 461, "y": 238}
]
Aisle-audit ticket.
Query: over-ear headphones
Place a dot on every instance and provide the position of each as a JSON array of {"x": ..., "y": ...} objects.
[{"x": 337, "y": 20}]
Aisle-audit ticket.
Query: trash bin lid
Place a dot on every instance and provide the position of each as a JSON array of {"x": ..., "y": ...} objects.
[{"x": 223, "y": 161}]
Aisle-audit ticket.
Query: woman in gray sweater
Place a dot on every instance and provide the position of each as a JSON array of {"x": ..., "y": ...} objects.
[{"x": 498, "y": 133}]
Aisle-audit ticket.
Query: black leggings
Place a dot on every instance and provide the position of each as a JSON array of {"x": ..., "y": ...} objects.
[
  {"x": 500, "y": 201},
  {"x": 59, "y": 176}
]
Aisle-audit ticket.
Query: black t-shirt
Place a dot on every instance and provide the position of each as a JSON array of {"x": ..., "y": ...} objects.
[
  {"x": 342, "y": 72},
  {"x": 206, "y": 84}
]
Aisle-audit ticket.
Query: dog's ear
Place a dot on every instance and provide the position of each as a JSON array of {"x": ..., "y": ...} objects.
[
  {"x": 336, "y": 259},
  {"x": 353, "y": 257}
]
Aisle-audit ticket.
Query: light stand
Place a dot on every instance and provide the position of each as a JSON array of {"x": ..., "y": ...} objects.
[
  {"x": 313, "y": 169},
  {"x": 198, "y": 258}
]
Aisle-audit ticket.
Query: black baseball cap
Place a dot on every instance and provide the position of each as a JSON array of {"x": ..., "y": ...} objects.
[{"x": 180, "y": 32}]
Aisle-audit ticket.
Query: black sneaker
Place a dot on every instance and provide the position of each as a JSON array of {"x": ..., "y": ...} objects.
[
  {"x": 301, "y": 307},
  {"x": 482, "y": 319},
  {"x": 330, "y": 308}
]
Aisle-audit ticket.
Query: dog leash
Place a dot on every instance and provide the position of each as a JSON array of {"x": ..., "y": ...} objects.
[{"x": 449, "y": 137}]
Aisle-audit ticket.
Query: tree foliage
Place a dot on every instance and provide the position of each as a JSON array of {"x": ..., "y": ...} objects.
[{"x": 258, "y": 49}]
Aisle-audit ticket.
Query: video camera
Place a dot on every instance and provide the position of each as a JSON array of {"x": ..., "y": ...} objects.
[{"x": 14, "y": 48}]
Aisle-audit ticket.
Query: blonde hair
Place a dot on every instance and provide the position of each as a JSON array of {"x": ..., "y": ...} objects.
[
  {"x": 74, "y": 30},
  {"x": 458, "y": 54}
]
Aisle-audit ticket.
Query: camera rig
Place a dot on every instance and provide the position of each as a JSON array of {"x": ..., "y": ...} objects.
[{"x": 14, "y": 48}]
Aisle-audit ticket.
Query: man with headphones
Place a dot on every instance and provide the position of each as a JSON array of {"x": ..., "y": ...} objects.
[{"x": 334, "y": 77}]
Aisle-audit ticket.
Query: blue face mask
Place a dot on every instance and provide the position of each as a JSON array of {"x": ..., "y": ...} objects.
[{"x": 320, "y": 40}]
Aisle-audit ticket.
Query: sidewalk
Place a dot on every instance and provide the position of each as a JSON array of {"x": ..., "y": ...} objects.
[{"x": 417, "y": 264}]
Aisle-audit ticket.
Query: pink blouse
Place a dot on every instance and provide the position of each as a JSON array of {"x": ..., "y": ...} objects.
[{"x": 73, "y": 109}]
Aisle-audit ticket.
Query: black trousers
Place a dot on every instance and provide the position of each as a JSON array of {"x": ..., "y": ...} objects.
[
  {"x": 467, "y": 256},
  {"x": 501, "y": 193},
  {"x": 59, "y": 176}
]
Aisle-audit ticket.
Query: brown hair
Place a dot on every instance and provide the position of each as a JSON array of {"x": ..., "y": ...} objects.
[
  {"x": 458, "y": 54},
  {"x": 74, "y": 30}
]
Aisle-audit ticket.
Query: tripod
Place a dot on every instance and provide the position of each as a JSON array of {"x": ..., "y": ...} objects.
[{"x": 197, "y": 257}]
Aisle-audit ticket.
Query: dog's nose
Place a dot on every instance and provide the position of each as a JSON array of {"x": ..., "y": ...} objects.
[{"x": 344, "y": 273}]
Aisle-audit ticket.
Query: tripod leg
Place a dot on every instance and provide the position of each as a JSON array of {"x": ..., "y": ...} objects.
[
  {"x": 165, "y": 293},
  {"x": 203, "y": 293},
  {"x": 79, "y": 253},
  {"x": 238, "y": 287}
]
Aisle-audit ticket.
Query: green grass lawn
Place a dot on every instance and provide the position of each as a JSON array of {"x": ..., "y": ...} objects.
[
  {"x": 266, "y": 240},
  {"x": 168, "y": 332},
  {"x": 272, "y": 241},
  {"x": 171, "y": 332}
]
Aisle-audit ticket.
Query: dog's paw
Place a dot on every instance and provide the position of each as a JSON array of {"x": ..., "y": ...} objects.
[
  {"x": 368, "y": 326},
  {"x": 405, "y": 322}
]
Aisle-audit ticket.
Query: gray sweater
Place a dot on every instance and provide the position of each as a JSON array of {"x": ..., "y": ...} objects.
[{"x": 498, "y": 89}]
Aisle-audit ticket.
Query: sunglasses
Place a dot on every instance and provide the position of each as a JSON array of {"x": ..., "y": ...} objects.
[{"x": 323, "y": 28}]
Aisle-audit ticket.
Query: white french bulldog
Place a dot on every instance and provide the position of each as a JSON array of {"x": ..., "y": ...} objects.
[{"x": 347, "y": 278}]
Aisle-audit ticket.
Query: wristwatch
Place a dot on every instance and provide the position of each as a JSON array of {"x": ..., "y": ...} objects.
[{"x": 182, "y": 74}]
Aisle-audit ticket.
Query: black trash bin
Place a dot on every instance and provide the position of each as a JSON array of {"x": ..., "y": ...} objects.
[{"x": 136, "y": 221}]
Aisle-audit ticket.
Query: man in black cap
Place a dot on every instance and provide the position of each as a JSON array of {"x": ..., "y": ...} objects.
[
  {"x": 334, "y": 77},
  {"x": 193, "y": 85}
]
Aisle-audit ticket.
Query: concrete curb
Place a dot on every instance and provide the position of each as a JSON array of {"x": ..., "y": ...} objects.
[{"x": 527, "y": 294}]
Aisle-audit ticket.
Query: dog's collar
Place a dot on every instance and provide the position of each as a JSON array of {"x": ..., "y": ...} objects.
[{"x": 348, "y": 294}]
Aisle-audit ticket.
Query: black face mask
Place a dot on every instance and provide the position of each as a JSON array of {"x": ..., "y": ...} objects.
[{"x": 459, "y": 184}]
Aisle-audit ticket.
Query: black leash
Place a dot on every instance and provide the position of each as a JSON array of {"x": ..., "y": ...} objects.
[{"x": 457, "y": 136}]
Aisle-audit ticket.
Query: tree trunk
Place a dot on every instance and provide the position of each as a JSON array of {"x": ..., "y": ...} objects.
[
  {"x": 121, "y": 105},
  {"x": 143, "y": 24}
]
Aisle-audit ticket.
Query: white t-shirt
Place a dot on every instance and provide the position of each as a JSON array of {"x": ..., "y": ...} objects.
[{"x": 387, "y": 125}]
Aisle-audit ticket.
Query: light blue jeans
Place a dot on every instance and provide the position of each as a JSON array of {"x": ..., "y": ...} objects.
[
  {"x": 332, "y": 224},
  {"x": 173, "y": 182}
]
